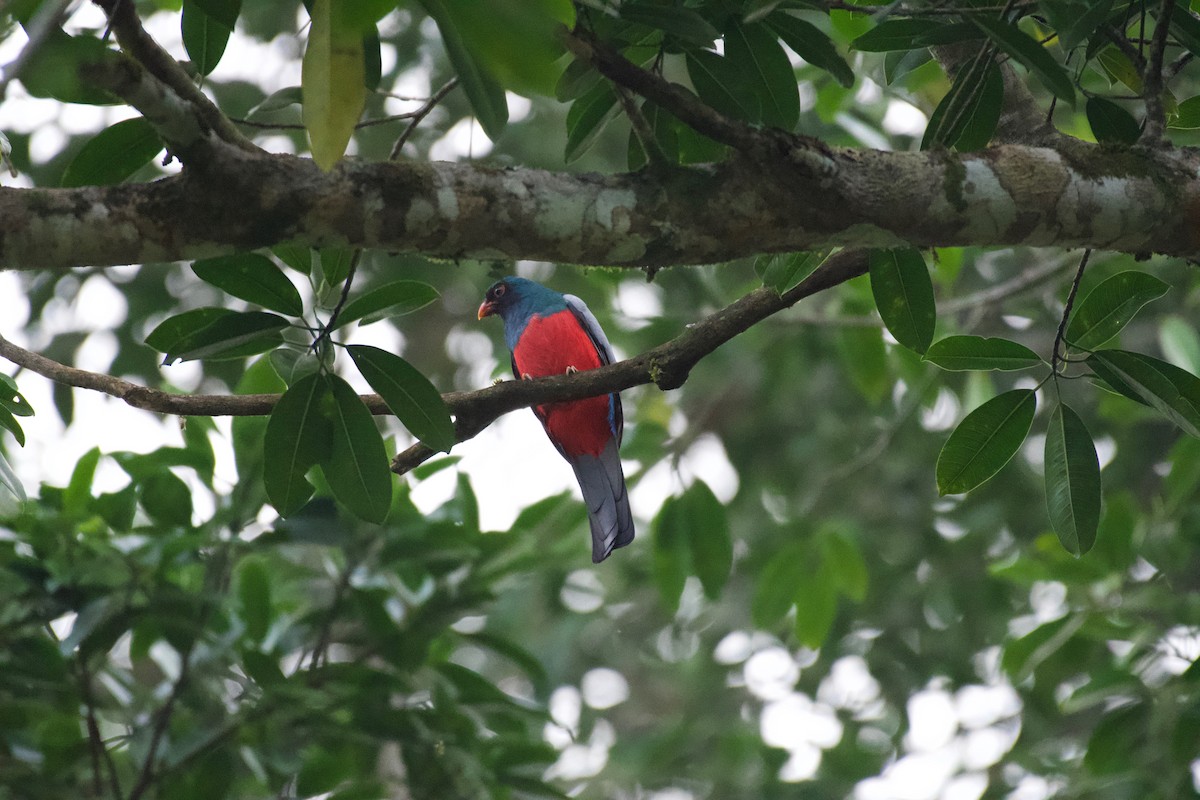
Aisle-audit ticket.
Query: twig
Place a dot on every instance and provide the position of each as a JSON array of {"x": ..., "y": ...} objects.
[
  {"x": 1056, "y": 358},
  {"x": 688, "y": 108},
  {"x": 419, "y": 115},
  {"x": 355, "y": 257},
  {"x": 1152, "y": 78},
  {"x": 95, "y": 743},
  {"x": 642, "y": 130}
]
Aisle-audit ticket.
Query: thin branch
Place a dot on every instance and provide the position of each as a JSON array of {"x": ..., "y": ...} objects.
[
  {"x": 419, "y": 115},
  {"x": 655, "y": 158},
  {"x": 176, "y": 120},
  {"x": 1152, "y": 78},
  {"x": 667, "y": 366},
  {"x": 688, "y": 108},
  {"x": 355, "y": 258},
  {"x": 1057, "y": 356},
  {"x": 99, "y": 753}
]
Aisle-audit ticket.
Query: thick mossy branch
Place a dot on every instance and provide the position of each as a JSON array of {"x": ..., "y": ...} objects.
[{"x": 1136, "y": 200}]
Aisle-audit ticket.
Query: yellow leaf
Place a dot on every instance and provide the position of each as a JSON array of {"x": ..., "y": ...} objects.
[{"x": 332, "y": 79}]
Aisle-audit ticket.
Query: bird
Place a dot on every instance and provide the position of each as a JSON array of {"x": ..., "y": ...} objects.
[{"x": 550, "y": 333}]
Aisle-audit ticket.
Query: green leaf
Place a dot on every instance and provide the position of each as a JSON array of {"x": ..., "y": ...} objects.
[
  {"x": 1072, "y": 481},
  {"x": 718, "y": 82},
  {"x": 168, "y": 333},
  {"x": 757, "y": 54},
  {"x": 810, "y": 43},
  {"x": 357, "y": 467},
  {"x": 482, "y": 89},
  {"x": 577, "y": 79},
  {"x": 899, "y": 63},
  {"x": 783, "y": 271},
  {"x": 1172, "y": 391},
  {"x": 670, "y": 562},
  {"x": 9, "y": 479},
  {"x": 903, "y": 294},
  {"x": 390, "y": 300},
  {"x": 1076, "y": 20},
  {"x": 961, "y": 353},
  {"x": 587, "y": 117},
  {"x": 816, "y": 607},
  {"x": 204, "y": 37},
  {"x": 708, "y": 536},
  {"x": 295, "y": 256},
  {"x": 683, "y": 23},
  {"x": 114, "y": 154},
  {"x": 864, "y": 357},
  {"x": 79, "y": 489},
  {"x": 1187, "y": 115},
  {"x": 911, "y": 34},
  {"x": 332, "y": 76},
  {"x": 966, "y": 117},
  {"x": 235, "y": 334},
  {"x": 277, "y": 101},
  {"x": 1110, "y": 123},
  {"x": 10, "y": 424},
  {"x": 322, "y": 771},
  {"x": 985, "y": 441},
  {"x": 1184, "y": 26},
  {"x": 247, "y": 432},
  {"x": 254, "y": 597},
  {"x": 299, "y": 435},
  {"x": 843, "y": 558},
  {"x": 1177, "y": 337},
  {"x": 663, "y": 126},
  {"x": 777, "y": 585},
  {"x": 254, "y": 278},
  {"x": 56, "y": 66},
  {"x": 1017, "y": 44},
  {"x": 224, "y": 11},
  {"x": 411, "y": 397},
  {"x": 1110, "y": 306},
  {"x": 292, "y": 365},
  {"x": 12, "y": 399},
  {"x": 335, "y": 264},
  {"x": 166, "y": 498}
]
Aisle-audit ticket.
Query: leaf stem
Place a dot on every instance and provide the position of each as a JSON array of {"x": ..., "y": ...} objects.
[{"x": 1057, "y": 357}]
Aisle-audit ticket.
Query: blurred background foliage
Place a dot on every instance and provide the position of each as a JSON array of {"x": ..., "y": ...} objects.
[{"x": 834, "y": 629}]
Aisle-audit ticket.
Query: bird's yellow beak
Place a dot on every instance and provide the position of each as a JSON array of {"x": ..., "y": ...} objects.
[{"x": 486, "y": 309}]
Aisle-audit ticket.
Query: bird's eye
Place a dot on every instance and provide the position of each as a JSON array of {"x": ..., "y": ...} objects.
[{"x": 499, "y": 292}]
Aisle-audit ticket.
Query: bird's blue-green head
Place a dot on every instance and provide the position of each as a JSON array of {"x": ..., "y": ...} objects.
[{"x": 515, "y": 300}]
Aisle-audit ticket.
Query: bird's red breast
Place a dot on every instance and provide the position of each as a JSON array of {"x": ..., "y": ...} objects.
[{"x": 551, "y": 345}]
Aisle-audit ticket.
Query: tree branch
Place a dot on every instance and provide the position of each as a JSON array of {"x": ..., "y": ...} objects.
[
  {"x": 1135, "y": 201},
  {"x": 667, "y": 366},
  {"x": 142, "y": 48},
  {"x": 178, "y": 122},
  {"x": 1152, "y": 78}
]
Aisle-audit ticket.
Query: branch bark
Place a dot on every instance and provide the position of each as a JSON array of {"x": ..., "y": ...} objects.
[{"x": 1103, "y": 198}]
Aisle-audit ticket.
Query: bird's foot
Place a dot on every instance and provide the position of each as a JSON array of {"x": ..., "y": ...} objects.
[{"x": 571, "y": 370}]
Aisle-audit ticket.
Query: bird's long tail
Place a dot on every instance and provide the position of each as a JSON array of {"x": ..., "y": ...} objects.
[{"x": 603, "y": 485}]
